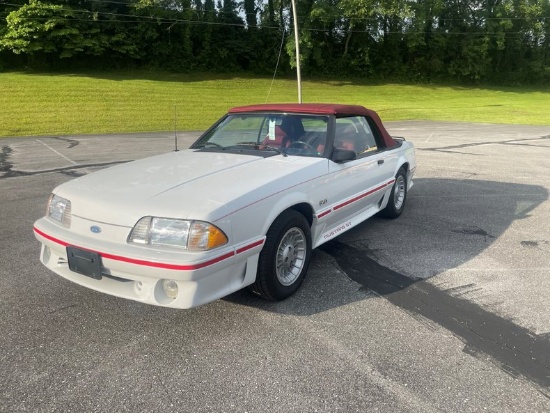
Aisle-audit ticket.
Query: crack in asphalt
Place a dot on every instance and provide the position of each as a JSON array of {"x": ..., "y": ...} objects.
[
  {"x": 72, "y": 142},
  {"x": 514, "y": 349},
  {"x": 5, "y": 165},
  {"x": 67, "y": 170},
  {"x": 534, "y": 244},
  {"x": 511, "y": 142},
  {"x": 72, "y": 173},
  {"x": 476, "y": 231}
]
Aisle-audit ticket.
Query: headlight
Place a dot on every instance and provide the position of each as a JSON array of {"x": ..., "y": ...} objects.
[
  {"x": 59, "y": 209},
  {"x": 180, "y": 233}
]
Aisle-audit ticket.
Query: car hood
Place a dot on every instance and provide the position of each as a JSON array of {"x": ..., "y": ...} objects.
[{"x": 186, "y": 184}]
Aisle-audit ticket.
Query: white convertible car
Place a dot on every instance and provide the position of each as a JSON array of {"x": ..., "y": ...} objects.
[{"x": 244, "y": 206}]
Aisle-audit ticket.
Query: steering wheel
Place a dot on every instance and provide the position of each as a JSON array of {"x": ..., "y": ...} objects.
[{"x": 304, "y": 145}]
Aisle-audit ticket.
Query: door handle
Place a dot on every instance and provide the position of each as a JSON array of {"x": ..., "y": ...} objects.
[{"x": 380, "y": 161}]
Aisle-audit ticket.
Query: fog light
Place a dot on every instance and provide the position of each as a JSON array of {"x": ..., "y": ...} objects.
[{"x": 170, "y": 288}]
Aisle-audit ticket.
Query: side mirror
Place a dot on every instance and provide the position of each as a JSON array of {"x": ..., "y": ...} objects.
[{"x": 343, "y": 155}]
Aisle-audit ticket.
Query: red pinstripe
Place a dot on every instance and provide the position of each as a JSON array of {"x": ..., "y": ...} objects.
[{"x": 154, "y": 264}]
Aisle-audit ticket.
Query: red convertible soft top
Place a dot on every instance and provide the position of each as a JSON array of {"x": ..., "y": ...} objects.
[{"x": 320, "y": 109}]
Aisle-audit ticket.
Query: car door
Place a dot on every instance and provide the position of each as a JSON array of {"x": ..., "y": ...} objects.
[{"x": 355, "y": 188}]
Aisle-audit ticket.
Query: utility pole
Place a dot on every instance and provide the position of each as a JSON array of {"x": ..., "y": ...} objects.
[{"x": 297, "y": 42}]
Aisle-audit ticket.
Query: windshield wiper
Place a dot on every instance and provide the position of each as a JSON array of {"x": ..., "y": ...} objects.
[
  {"x": 272, "y": 148},
  {"x": 256, "y": 145},
  {"x": 217, "y": 145}
]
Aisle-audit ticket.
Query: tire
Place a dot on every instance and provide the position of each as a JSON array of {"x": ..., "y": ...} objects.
[
  {"x": 398, "y": 196},
  {"x": 284, "y": 260}
]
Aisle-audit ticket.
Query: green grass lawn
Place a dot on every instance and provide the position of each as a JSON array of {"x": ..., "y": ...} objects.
[{"x": 62, "y": 104}]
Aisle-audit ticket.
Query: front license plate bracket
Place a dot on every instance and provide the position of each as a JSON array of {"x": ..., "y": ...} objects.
[{"x": 84, "y": 262}]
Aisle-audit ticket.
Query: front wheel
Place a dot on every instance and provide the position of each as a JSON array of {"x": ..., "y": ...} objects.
[
  {"x": 398, "y": 196},
  {"x": 285, "y": 257}
]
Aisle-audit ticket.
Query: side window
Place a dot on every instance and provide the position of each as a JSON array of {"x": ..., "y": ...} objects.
[
  {"x": 354, "y": 133},
  {"x": 315, "y": 133},
  {"x": 302, "y": 135}
]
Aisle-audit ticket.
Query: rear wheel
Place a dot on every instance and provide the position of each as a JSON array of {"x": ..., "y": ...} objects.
[
  {"x": 398, "y": 196},
  {"x": 285, "y": 257}
]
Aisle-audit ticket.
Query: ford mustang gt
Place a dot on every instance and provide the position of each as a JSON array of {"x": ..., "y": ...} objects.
[{"x": 242, "y": 207}]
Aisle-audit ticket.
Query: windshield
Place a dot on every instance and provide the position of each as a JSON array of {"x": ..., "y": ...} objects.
[{"x": 287, "y": 134}]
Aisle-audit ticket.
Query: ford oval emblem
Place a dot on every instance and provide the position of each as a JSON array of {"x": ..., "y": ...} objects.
[{"x": 95, "y": 229}]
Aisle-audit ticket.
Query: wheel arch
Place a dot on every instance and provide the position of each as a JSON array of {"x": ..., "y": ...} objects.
[
  {"x": 403, "y": 164},
  {"x": 303, "y": 207}
]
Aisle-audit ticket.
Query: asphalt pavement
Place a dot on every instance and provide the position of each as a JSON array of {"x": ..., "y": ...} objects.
[{"x": 443, "y": 309}]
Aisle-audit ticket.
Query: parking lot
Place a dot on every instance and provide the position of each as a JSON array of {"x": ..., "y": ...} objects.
[{"x": 444, "y": 309}]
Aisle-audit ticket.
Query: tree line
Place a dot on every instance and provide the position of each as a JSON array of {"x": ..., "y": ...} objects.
[{"x": 500, "y": 41}]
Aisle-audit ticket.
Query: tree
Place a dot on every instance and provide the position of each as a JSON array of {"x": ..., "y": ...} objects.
[
  {"x": 39, "y": 27},
  {"x": 458, "y": 40}
]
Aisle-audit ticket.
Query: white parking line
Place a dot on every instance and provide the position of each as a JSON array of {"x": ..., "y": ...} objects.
[{"x": 60, "y": 154}]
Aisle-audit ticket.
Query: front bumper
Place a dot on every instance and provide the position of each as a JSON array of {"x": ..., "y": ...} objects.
[{"x": 136, "y": 273}]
